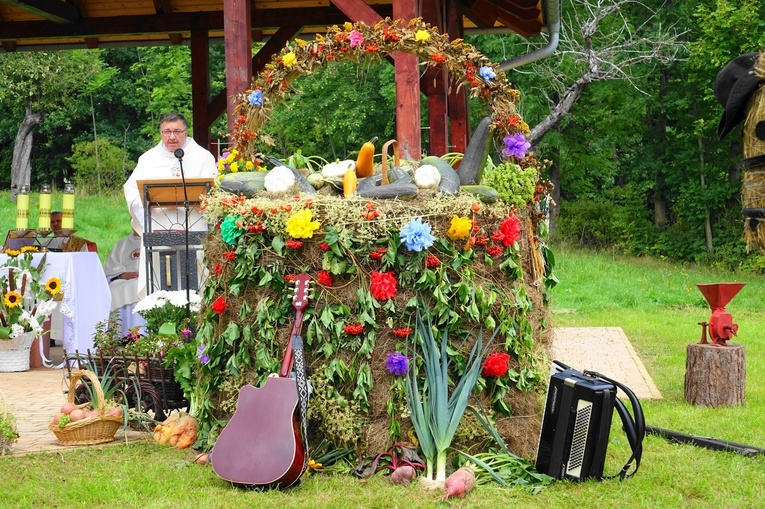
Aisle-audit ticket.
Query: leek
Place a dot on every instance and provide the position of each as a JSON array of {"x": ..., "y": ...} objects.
[{"x": 434, "y": 412}]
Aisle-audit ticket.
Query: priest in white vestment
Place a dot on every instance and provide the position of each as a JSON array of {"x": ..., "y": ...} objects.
[
  {"x": 162, "y": 162},
  {"x": 122, "y": 273}
]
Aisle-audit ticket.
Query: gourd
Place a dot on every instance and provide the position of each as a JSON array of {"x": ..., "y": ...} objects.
[
  {"x": 485, "y": 193},
  {"x": 450, "y": 181},
  {"x": 279, "y": 180},
  {"x": 365, "y": 165},
  {"x": 305, "y": 187},
  {"x": 246, "y": 183},
  {"x": 427, "y": 177},
  {"x": 337, "y": 169},
  {"x": 473, "y": 162},
  {"x": 350, "y": 182},
  {"x": 394, "y": 190}
]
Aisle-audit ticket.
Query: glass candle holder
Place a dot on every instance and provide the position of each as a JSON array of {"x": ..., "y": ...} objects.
[
  {"x": 43, "y": 222},
  {"x": 67, "y": 208},
  {"x": 22, "y": 208}
]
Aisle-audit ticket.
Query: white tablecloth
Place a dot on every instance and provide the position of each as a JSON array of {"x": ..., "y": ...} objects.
[{"x": 87, "y": 299}]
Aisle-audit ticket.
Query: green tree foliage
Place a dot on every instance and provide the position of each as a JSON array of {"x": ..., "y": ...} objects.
[{"x": 109, "y": 172}]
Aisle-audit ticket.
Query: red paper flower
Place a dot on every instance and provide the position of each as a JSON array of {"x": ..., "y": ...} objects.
[
  {"x": 510, "y": 230},
  {"x": 354, "y": 329},
  {"x": 290, "y": 278},
  {"x": 432, "y": 261},
  {"x": 229, "y": 255},
  {"x": 383, "y": 286},
  {"x": 325, "y": 278},
  {"x": 219, "y": 306},
  {"x": 217, "y": 269},
  {"x": 324, "y": 246},
  {"x": 403, "y": 332},
  {"x": 494, "y": 250},
  {"x": 256, "y": 228},
  {"x": 496, "y": 364},
  {"x": 294, "y": 244},
  {"x": 378, "y": 253}
]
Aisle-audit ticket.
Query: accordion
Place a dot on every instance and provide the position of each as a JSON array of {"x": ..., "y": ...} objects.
[
  {"x": 577, "y": 422},
  {"x": 576, "y": 425}
]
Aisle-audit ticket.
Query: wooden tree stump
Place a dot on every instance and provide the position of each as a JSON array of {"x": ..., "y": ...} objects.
[{"x": 715, "y": 375}]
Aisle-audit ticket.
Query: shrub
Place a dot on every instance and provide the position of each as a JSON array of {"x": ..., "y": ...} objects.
[{"x": 105, "y": 172}]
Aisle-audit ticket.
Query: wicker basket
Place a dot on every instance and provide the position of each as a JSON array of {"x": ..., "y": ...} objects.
[
  {"x": 91, "y": 430},
  {"x": 5, "y": 444},
  {"x": 14, "y": 353}
]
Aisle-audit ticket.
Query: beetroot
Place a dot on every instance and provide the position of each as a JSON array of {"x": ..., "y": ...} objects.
[
  {"x": 459, "y": 483},
  {"x": 403, "y": 475}
]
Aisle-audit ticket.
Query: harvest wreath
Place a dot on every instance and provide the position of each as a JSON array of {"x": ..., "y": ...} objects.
[{"x": 469, "y": 268}]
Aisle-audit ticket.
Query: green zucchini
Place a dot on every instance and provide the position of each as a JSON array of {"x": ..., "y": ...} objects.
[
  {"x": 473, "y": 162},
  {"x": 485, "y": 193},
  {"x": 395, "y": 190},
  {"x": 246, "y": 183},
  {"x": 450, "y": 181}
]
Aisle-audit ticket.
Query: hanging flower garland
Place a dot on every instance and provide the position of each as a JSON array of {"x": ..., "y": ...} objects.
[{"x": 358, "y": 41}]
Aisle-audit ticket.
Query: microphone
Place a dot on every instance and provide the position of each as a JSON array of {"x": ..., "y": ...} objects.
[{"x": 179, "y": 153}]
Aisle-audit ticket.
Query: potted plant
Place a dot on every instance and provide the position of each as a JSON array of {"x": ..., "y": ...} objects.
[
  {"x": 8, "y": 431},
  {"x": 26, "y": 303}
]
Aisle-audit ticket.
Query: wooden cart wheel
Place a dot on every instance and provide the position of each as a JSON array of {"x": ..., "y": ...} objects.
[{"x": 147, "y": 401}]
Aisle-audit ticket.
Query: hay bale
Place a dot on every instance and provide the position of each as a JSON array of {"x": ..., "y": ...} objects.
[{"x": 478, "y": 284}]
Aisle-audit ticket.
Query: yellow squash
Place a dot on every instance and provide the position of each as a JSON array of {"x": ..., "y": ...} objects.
[
  {"x": 365, "y": 165},
  {"x": 350, "y": 182}
]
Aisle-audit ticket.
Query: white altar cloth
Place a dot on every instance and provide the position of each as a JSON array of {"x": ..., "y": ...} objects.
[{"x": 87, "y": 299}]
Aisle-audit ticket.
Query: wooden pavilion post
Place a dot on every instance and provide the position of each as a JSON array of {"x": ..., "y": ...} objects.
[
  {"x": 237, "y": 28},
  {"x": 457, "y": 108},
  {"x": 434, "y": 85},
  {"x": 407, "y": 90}
]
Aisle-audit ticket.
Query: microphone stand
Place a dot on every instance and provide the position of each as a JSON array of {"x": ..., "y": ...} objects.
[{"x": 179, "y": 154}]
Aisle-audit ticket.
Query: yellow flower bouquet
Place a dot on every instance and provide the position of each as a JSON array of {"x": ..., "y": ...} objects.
[{"x": 26, "y": 301}]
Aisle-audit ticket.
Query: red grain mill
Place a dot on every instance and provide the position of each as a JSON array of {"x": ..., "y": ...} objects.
[{"x": 721, "y": 326}]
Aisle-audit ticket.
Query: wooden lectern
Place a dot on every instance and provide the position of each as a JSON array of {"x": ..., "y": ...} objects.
[{"x": 164, "y": 236}]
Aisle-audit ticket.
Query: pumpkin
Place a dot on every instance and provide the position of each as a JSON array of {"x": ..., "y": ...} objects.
[
  {"x": 337, "y": 169},
  {"x": 427, "y": 177}
]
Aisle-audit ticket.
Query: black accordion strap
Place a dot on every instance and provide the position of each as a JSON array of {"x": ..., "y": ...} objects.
[
  {"x": 298, "y": 363},
  {"x": 634, "y": 427}
]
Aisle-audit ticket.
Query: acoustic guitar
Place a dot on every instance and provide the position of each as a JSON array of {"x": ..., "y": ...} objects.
[{"x": 261, "y": 445}]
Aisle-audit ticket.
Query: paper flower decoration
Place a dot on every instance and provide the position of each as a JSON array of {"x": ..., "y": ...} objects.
[{"x": 416, "y": 235}]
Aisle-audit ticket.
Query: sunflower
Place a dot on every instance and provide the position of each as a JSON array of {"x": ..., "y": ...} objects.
[
  {"x": 29, "y": 249},
  {"x": 12, "y": 253},
  {"x": 53, "y": 285},
  {"x": 12, "y": 299}
]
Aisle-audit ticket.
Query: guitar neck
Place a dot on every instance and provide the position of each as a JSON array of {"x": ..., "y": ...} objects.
[{"x": 287, "y": 361}]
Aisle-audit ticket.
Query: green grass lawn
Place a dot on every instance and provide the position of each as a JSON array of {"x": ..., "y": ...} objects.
[{"x": 655, "y": 302}]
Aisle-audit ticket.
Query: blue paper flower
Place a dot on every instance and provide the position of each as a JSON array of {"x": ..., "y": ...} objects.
[
  {"x": 229, "y": 231},
  {"x": 256, "y": 97},
  {"x": 515, "y": 146},
  {"x": 416, "y": 235},
  {"x": 487, "y": 73},
  {"x": 202, "y": 356},
  {"x": 397, "y": 364}
]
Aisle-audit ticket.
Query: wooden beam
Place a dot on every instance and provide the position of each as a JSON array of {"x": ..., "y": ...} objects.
[
  {"x": 433, "y": 85},
  {"x": 358, "y": 10},
  {"x": 168, "y": 23},
  {"x": 237, "y": 30},
  {"x": 91, "y": 42},
  {"x": 200, "y": 83},
  {"x": 52, "y": 10},
  {"x": 457, "y": 100}
]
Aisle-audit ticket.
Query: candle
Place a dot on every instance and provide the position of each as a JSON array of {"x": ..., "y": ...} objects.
[
  {"x": 67, "y": 208},
  {"x": 43, "y": 222},
  {"x": 22, "y": 208},
  {"x": 168, "y": 272}
]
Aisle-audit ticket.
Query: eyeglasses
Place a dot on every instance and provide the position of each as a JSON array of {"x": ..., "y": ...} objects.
[{"x": 175, "y": 133}]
